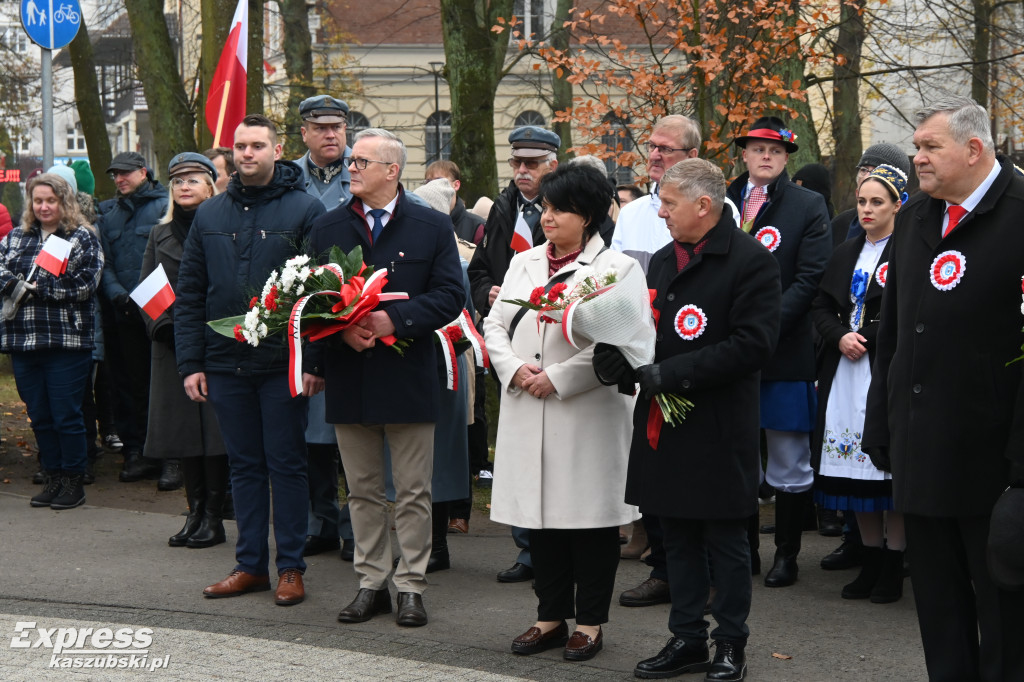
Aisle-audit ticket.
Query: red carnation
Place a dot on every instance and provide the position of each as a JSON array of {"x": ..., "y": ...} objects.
[
  {"x": 453, "y": 332},
  {"x": 270, "y": 301},
  {"x": 556, "y": 291},
  {"x": 254, "y": 302},
  {"x": 537, "y": 296},
  {"x": 238, "y": 333}
]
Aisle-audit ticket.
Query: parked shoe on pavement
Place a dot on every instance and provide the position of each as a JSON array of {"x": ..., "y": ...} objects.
[
  {"x": 648, "y": 593},
  {"x": 846, "y": 555},
  {"x": 112, "y": 442},
  {"x": 290, "y": 590},
  {"x": 458, "y": 526},
  {"x": 730, "y": 664},
  {"x": 170, "y": 475},
  {"x": 533, "y": 641},
  {"x": 367, "y": 604},
  {"x": 348, "y": 550},
  {"x": 677, "y": 657},
  {"x": 829, "y": 523},
  {"x": 518, "y": 573},
  {"x": 237, "y": 583},
  {"x": 51, "y": 488},
  {"x": 71, "y": 494},
  {"x": 411, "y": 612},
  {"x": 136, "y": 467}
]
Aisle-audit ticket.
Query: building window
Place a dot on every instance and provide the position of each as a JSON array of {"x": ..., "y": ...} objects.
[
  {"x": 76, "y": 140},
  {"x": 356, "y": 122},
  {"x": 530, "y": 14},
  {"x": 15, "y": 38},
  {"x": 618, "y": 139},
  {"x": 21, "y": 143},
  {"x": 530, "y": 118},
  {"x": 439, "y": 121}
]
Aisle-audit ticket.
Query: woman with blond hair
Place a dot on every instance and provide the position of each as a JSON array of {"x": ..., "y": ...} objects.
[{"x": 48, "y": 324}]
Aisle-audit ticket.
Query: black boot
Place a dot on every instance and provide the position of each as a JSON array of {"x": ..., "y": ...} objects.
[
  {"x": 829, "y": 524},
  {"x": 194, "y": 475},
  {"x": 136, "y": 467},
  {"x": 211, "y": 528},
  {"x": 790, "y": 513},
  {"x": 51, "y": 488},
  {"x": 170, "y": 475},
  {"x": 889, "y": 587},
  {"x": 439, "y": 559},
  {"x": 72, "y": 494},
  {"x": 870, "y": 569}
]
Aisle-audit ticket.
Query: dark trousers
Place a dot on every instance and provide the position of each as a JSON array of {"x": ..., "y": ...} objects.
[
  {"x": 575, "y": 572},
  {"x": 656, "y": 559},
  {"x": 264, "y": 433},
  {"x": 689, "y": 545},
  {"x": 957, "y": 602},
  {"x": 51, "y": 383},
  {"x": 327, "y": 519},
  {"x": 521, "y": 536},
  {"x": 128, "y": 352}
]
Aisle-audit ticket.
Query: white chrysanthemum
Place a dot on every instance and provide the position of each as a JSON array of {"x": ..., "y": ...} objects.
[
  {"x": 252, "y": 319},
  {"x": 271, "y": 281},
  {"x": 297, "y": 261},
  {"x": 299, "y": 290},
  {"x": 583, "y": 273},
  {"x": 610, "y": 275},
  {"x": 288, "y": 279},
  {"x": 318, "y": 271},
  {"x": 262, "y": 330}
]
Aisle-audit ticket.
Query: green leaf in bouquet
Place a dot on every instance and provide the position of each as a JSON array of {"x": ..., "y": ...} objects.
[
  {"x": 353, "y": 262},
  {"x": 225, "y": 326}
]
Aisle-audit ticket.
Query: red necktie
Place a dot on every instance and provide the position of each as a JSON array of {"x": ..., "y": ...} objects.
[
  {"x": 755, "y": 200},
  {"x": 956, "y": 213}
]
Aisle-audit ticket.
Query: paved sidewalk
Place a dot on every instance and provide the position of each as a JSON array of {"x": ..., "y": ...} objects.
[{"x": 97, "y": 567}]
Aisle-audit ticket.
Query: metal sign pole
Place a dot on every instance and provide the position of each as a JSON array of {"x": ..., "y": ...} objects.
[{"x": 47, "y": 73}]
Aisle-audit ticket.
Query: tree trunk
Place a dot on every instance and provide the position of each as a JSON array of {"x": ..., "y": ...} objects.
[
  {"x": 90, "y": 110},
  {"x": 216, "y": 20},
  {"x": 298, "y": 64},
  {"x": 170, "y": 118},
  {"x": 982, "y": 44},
  {"x": 846, "y": 120},
  {"x": 474, "y": 56},
  {"x": 254, "y": 69},
  {"x": 561, "y": 88}
]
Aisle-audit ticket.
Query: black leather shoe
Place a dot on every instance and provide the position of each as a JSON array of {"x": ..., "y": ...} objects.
[
  {"x": 366, "y": 605},
  {"x": 318, "y": 545},
  {"x": 136, "y": 467},
  {"x": 648, "y": 593},
  {"x": 519, "y": 573},
  {"x": 676, "y": 658},
  {"x": 533, "y": 641},
  {"x": 846, "y": 555},
  {"x": 730, "y": 664},
  {"x": 439, "y": 561},
  {"x": 411, "y": 613},
  {"x": 170, "y": 475},
  {"x": 348, "y": 550},
  {"x": 783, "y": 573},
  {"x": 829, "y": 524}
]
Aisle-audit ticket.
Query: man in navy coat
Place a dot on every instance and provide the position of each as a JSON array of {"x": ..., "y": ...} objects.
[{"x": 374, "y": 393}]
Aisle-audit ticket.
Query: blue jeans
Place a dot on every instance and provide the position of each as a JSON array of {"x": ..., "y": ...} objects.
[
  {"x": 263, "y": 429},
  {"x": 52, "y": 385}
]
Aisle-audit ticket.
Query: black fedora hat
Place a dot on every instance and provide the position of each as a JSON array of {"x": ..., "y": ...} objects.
[{"x": 772, "y": 129}]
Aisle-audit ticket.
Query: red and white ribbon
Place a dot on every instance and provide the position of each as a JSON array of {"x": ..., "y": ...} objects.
[
  {"x": 473, "y": 336},
  {"x": 450, "y": 364}
]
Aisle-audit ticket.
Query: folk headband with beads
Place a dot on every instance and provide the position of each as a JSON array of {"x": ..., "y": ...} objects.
[{"x": 891, "y": 177}]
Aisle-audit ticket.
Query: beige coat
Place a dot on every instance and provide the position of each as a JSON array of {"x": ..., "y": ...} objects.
[{"x": 559, "y": 462}]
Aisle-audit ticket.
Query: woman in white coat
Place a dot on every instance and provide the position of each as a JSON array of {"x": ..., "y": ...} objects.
[{"x": 563, "y": 437}]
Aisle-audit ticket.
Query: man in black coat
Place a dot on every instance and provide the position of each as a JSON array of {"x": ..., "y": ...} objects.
[
  {"x": 717, "y": 312},
  {"x": 792, "y": 223},
  {"x": 374, "y": 393},
  {"x": 533, "y": 156},
  {"x": 943, "y": 411}
]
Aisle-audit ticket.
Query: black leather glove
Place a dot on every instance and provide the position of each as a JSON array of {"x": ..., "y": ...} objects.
[
  {"x": 124, "y": 305},
  {"x": 611, "y": 366},
  {"x": 879, "y": 455},
  {"x": 649, "y": 377},
  {"x": 165, "y": 334}
]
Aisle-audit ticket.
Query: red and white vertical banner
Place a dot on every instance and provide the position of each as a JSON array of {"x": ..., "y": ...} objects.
[
  {"x": 154, "y": 294},
  {"x": 54, "y": 255},
  {"x": 522, "y": 236},
  {"x": 225, "y": 101}
]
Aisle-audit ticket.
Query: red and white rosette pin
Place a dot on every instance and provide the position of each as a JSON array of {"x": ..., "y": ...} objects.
[
  {"x": 947, "y": 270},
  {"x": 690, "y": 322},
  {"x": 882, "y": 273},
  {"x": 769, "y": 236}
]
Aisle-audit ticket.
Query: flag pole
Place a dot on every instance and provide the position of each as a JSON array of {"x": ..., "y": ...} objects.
[{"x": 220, "y": 115}]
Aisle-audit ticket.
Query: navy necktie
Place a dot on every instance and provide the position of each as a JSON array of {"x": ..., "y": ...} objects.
[{"x": 378, "y": 224}]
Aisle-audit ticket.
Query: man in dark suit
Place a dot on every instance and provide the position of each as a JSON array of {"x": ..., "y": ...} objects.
[
  {"x": 943, "y": 412},
  {"x": 718, "y": 298},
  {"x": 374, "y": 393},
  {"x": 792, "y": 223}
]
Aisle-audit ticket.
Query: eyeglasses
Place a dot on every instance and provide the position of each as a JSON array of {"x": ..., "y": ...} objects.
[
  {"x": 531, "y": 164},
  {"x": 361, "y": 164},
  {"x": 771, "y": 151},
  {"x": 114, "y": 175},
  {"x": 662, "y": 149},
  {"x": 863, "y": 171},
  {"x": 191, "y": 182}
]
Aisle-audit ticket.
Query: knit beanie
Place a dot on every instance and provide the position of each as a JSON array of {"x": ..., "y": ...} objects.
[
  {"x": 887, "y": 154},
  {"x": 438, "y": 193},
  {"x": 83, "y": 172},
  {"x": 66, "y": 173}
]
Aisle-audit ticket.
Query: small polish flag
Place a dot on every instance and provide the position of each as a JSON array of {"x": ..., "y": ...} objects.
[
  {"x": 154, "y": 294},
  {"x": 522, "y": 236},
  {"x": 54, "y": 256}
]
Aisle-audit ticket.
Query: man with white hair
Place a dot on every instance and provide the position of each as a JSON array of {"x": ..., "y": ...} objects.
[{"x": 944, "y": 411}]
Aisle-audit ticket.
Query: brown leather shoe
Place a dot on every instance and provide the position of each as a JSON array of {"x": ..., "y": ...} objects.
[
  {"x": 582, "y": 648},
  {"x": 238, "y": 582},
  {"x": 289, "y": 588},
  {"x": 648, "y": 593},
  {"x": 458, "y": 526},
  {"x": 533, "y": 641},
  {"x": 411, "y": 613}
]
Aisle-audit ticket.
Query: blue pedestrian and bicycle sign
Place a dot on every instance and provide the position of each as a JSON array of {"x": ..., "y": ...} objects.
[{"x": 51, "y": 24}]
